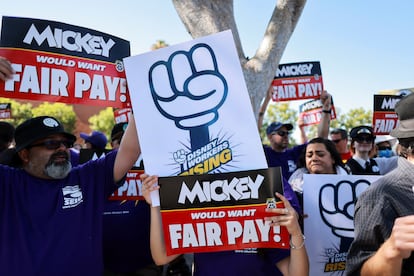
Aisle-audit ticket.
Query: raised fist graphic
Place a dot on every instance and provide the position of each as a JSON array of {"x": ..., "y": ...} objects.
[
  {"x": 338, "y": 213},
  {"x": 180, "y": 158},
  {"x": 189, "y": 89}
]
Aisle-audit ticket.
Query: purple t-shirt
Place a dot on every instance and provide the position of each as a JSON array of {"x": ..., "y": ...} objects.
[
  {"x": 286, "y": 160},
  {"x": 54, "y": 227},
  {"x": 126, "y": 235},
  {"x": 248, "y": 262}
]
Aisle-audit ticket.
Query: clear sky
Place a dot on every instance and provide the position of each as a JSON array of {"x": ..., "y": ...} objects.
[{"x": 363, "y": 46}]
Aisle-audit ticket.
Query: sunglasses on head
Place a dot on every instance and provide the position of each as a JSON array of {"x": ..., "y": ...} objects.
[
  {"x": 364, "y": 139},
  {"x": 282, "y": 132},
  {"x": 53, "y": 144}
]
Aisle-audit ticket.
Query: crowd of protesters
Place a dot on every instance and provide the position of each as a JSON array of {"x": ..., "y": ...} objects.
[{"x": 57, "y": 220}]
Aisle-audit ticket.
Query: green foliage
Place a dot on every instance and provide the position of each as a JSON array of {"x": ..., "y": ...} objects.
[
  {"x": 63, "y": 112},
  {"x": 103, "y": 121},
  {"x": 20, "y": 112},
  {"x": 354, "y": 117},
  {"x": 24, "y": 111}
]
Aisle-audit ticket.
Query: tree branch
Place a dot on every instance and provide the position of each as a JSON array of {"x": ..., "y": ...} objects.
[{"x": 205, "y": 17}]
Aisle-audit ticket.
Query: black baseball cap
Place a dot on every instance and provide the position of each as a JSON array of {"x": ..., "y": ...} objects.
[
  {"x": 275, "y": 126},
  {"x": 38, "y": 128}
]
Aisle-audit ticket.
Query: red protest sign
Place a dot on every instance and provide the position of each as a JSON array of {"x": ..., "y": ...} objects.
[
  {"x": 384, "y": 117},
  {"x": 132, "y": 187},
  {"x": 219, "y": 212},
  {"x": 121, "y": 114},
  {"x": 5, "y": 111},
  {"x": 311, "y": 112},
  {"x": 297, "y": 81},
  {"x": 58, "y": 62}
]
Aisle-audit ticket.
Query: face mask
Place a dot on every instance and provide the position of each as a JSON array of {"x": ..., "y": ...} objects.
[{"x": 385, "y": 153}]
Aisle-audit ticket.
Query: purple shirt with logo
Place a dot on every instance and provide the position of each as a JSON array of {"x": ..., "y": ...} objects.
[
  {"x": 286, "y": 160},
  {"x": 54, "y": 227}
]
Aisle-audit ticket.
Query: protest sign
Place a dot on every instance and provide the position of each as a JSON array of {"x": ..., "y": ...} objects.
[
  {"x": 194, "y": 118},
  {"x": 384, "y": 117},
  {"x": 329, "y": 202},
  {"x": 397, "y": 92},
  {"x": 121, "y": 114},
  {"x": 132, "y": 187},
  {"x": 297, "y": 81},
  {"x": 192, "y": 109},
  {"x": 58, "y": 62},
  {"x": 310, "y": 112},
  {"x": 205, "y": 213},
  {"x": 5, "y": 111}
]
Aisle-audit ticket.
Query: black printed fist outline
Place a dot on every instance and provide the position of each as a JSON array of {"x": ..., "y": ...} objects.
[
  {"x": 341, "y": 208},
  {"x": 195, "y": 85}
]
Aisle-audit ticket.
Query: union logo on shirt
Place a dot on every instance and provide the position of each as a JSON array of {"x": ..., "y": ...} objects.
[
  {"x": 72, "y": 196},
  {"x": 292, "y": 165}
]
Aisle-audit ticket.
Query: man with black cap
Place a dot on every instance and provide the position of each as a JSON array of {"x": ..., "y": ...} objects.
[
  {"x": 384, "y": 213},
  {"x": 278, "y": 154},
  {"x": 362, "y": 145},
  {"x": 51, "y": 213}
]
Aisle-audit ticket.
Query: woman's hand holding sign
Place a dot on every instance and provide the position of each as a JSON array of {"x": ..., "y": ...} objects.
[
  {"x": 157, "y": 243},
  {"x": 285, "y": 217},
  {"x": 149, "y": 184},
  {"x": 298, "y": 262}
]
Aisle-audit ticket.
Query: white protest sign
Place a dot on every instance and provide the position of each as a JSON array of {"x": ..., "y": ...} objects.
[
  {"x": 192, "y": 109},
  {"x": 329, "y": 202}
]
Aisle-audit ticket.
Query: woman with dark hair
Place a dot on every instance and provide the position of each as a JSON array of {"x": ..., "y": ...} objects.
[{"x": 319, "y": 157}]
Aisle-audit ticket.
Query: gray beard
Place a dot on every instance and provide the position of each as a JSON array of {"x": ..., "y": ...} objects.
[{"x": 58, "y": 171}]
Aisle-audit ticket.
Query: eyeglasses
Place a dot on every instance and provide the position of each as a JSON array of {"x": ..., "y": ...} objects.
[
  {"x": 337, "y": 141},
  {"x": 53, "y": 144},
  {"x": 282, "y": 132},
  {"x": 364, "y": 139}
]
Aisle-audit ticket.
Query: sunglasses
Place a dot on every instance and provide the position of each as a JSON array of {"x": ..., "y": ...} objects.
[
  {"x": 337, "y": 141},
  {"x": 53, "y": 144},
  {"x": 364, "y": 139},
  {"x": 384, "y": 148},
  {"x": 282, "y": 132}
]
